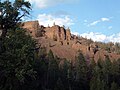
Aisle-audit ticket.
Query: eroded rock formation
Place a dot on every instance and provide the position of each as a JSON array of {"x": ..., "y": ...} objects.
[
  {"x": 63, "y": 43},
  {"x": 55, "y": 32},
  {"x": 31, "y": 27}
]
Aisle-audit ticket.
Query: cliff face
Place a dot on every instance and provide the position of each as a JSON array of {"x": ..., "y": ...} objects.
[
  {"x": 31, "y": 27},
  {"x": 57, "y": 33},
  {"x": 68, "y": 34},
  {"x": 63, "y": 43}
]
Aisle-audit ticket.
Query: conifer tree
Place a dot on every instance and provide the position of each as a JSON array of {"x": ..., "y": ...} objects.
[
  {"x": 52, "y": 70},
  {"x": 11, "y": 14},
  {"x": 81, "y": 72},
  {"x": 17, "y": 61},
  {"x": 17, "y": 50},
  {"x": 64, "y": 73},
  {"x": 59, "y": 85},
  {"x": 107, "y": 70},
  {"x": 114, "y": 86}
]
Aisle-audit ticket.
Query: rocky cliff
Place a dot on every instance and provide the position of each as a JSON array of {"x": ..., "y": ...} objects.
[
  {"x": 64, "y": 44},
  {"x": 57, "y": 33},
  {"x": 31, "y": 27}
]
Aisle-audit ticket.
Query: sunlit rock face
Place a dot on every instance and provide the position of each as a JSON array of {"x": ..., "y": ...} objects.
[
  {"x": 31, "y": 27},
  {"x": 64, "y": 44}
]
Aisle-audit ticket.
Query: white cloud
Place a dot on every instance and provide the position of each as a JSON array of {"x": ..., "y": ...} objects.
[
  {"x": 94, "y": 23},
  {"x": 48, "y": 3},
  {"x": 98, "y": 21},
  {"x": 101, "y": 37},
  {"x": 48, "y": 19},
  {"x": 95, "y": 36},
  {"x": 85, "y": 21},
  {"x": 75, "y": 33},
  {"x": 110, "y": 27},
  {"x": 105, "y": 19}
]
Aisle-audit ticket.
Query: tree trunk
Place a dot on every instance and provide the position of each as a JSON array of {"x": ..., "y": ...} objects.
[{"x": 3, "y": 35}]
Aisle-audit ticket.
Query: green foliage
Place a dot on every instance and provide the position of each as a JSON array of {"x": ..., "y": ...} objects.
[
  {"x": 81, "y": 67},
  {"x": 59, "y": 85},
  {"x": 11, "y": 14},
  {"x": 52, "y": 75},
  {"x": 114, "y": 86},
  {"x": 17, "y": 50},
  {"x": 109, "y": 47},
  {"x": 81, "y": 72},
  {"x": 17, "y": 60},
  {"x": 97, "y": 84}
]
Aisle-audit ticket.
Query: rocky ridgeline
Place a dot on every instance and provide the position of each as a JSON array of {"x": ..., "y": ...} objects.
[
  {"x": 63, "y": 43},
  {"x": 55, "y": 32},
  {"x": 31, "y": 27}
]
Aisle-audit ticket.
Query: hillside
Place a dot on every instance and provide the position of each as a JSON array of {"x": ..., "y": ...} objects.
[{"x": 65, "y": 45}]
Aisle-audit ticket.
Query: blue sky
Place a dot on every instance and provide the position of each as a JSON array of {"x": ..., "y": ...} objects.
[{"x": 95, "y": 19}]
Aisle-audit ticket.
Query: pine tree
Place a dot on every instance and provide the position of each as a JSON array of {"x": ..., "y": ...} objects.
[
  {"x": 114, "y": 86},
  {"x": 97, "y": 84},
  {"x": 64, "y": 73},
  {"x": 107, "y": 70},
  {"x": 81, "y": 72},
  {"x": 53, "y": 70},
  {"x": 59, "y": 85},
  {"x": 11, "y": 14},
  {"x": 17, "y": 61}
]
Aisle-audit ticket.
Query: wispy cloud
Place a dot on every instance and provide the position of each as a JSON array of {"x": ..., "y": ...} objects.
[
  {"x": 105, "y": 19},
  {"x": 102, "y": 37},
  {"x": 96, "y": 36},
  {"x": 98, "y": 21},
  {"x": 49, "y": 19},
  {"x": 85, "y": 21},
  {"x": 110, "y": 27},
  {"x": 75, "y": 33},
  {"x": 94, "y": 23},
  {"x": 48, "y": 3}
]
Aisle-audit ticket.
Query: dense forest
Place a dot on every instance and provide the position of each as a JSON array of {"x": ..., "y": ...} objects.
[{"x": 26, "y": 66}]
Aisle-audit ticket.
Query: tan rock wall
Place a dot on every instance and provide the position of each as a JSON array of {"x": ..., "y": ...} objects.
[
  {"x": 53, "y": 32},
  {"x": 31, "y": 26},
  {"x": 62, "y": 34},
  {"x": 58, "y": 33},
  {"x": 68, "y": 35}
]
